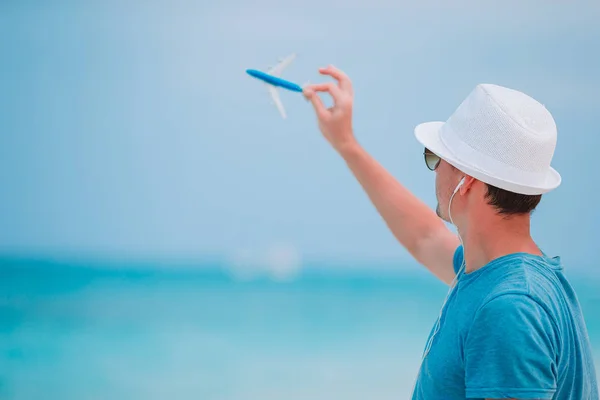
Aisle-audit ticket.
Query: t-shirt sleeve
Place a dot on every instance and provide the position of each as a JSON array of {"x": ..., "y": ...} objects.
[{"x": 510, "y": 351}]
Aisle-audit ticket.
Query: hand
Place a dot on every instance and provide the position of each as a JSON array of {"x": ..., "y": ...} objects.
[{"x": 336, "y": 122}]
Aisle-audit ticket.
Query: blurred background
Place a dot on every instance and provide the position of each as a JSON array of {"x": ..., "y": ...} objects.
[{"x": 165, "y": 234}]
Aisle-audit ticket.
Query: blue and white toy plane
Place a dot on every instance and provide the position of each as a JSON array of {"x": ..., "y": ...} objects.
[{"x": 273, "y": 80}]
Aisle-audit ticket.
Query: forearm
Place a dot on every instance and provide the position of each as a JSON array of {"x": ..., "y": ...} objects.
[{"x": 411, "y": 221}]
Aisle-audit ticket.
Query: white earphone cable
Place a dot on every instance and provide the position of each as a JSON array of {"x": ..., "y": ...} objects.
[{"x": 452, "y": 286}]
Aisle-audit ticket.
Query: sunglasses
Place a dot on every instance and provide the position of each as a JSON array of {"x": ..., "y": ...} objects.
[{"x": 431, "y": 160}]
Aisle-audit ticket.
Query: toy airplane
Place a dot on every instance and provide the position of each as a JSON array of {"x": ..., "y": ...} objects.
[{"x": 273, "y": 80}]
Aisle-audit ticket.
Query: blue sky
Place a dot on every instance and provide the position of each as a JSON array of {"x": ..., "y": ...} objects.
[{"x": 130, "y": 129}]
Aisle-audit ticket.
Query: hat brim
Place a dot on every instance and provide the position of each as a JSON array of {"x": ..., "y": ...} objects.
[{"x": 428, "y": 134}]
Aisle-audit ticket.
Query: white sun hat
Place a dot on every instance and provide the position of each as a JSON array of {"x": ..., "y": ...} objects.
[{"x": 499, "y": 136}]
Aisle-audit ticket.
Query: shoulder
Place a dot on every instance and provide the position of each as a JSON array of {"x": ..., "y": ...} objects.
[
  {"x": 506, "y": 303},
  {"x": 514, "y": 317},
  {"x": 512, "y": 283},
  {"x": 512, "y": 273},
  {"x": 519, "y": 281}
]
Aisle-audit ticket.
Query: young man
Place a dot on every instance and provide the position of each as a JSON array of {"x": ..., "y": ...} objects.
[{"x": 511, "y": 326}]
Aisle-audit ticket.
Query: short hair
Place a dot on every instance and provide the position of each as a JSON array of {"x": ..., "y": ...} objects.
[{"x": 510, "y": 203}]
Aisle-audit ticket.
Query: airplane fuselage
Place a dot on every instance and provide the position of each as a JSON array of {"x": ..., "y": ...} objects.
[{"x": 273, "y": 80}]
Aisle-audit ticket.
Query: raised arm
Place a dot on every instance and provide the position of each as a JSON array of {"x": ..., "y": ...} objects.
[{"x": 414, "y": 225}]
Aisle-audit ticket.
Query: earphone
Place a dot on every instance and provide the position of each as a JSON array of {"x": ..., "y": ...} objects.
[
  {"x": 452, "y": 286},
  {"x": 462, "y": 181}
]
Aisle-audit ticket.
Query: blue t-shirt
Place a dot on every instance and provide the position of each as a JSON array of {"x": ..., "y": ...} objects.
[{"x": 511, "y": 329}]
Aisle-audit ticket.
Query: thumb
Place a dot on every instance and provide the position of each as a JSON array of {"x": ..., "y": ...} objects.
[{"x": 314, "y": 98}]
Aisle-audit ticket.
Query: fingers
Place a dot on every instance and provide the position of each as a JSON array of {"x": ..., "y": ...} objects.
[
  {"x": 329, "y": 87},
  {"x": 339, "y": 75},
  {"x": 314, "y": 98},
  {"x": 341, "y": 93}
]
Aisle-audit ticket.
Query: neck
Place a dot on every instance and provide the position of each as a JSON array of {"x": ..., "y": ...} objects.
[{"x": 489, "y": 237}]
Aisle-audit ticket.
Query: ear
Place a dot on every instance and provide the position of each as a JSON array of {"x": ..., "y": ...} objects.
[{"x": 467, "y": 184}]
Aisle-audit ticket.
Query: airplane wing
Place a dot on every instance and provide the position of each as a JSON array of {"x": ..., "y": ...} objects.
[
  {"x": 277, "y": 100},
  {"x": 276, "y": 70}
]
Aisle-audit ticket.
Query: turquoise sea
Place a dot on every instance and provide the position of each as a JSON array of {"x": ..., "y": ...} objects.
[{"x": 127, "y": 331}]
